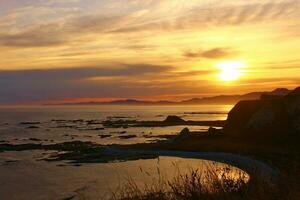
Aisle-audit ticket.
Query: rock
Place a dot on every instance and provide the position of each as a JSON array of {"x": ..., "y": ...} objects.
[
  {"x": 239, "y": 116},
  {"x": 93, "y": 122},
  {"x": 264, "y": 118},
  {"x": 173, "y": 119},
  {"x": 33, "y": 127},
  {"x": 30, "y": 123},
  {"x": 280, "y": 92},
  {"x": 183, "y": 135},
  {"x": 35, "y": 139},
  {"x": 276, "y": 94},
  {"x": 127, "y": 136},
  {"x": 11, "y": 161},
  {"x": 184, "y": 131},
  {"x": 97, "y": 129},
  {"x": 295, "y": 92},
  {"x": 213, "y": 131},
  {"x": 277, "y": 117},
  {"x": 105, "y": 136}
]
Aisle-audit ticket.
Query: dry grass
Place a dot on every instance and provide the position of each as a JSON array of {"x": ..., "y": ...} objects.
[{"x": 213, "y": 185}]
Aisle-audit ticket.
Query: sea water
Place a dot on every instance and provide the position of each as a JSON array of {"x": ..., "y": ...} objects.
[
  {"x": 26, "y": 175},
  {"x": 13, "y": 129}
]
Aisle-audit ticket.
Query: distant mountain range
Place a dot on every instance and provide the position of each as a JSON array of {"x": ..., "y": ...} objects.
[{"x": 221, "y": 99}]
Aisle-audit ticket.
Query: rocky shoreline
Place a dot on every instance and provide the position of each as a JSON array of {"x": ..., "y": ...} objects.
[{"x": 257, "y": 134}]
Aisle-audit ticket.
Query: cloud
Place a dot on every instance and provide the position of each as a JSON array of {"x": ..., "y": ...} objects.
[
  {"x": 127, "y": 81},
  {"x": 63, "y": 31},
  {"x": 34, "y": 85},
  {"x": 72, "y": 33},
  {"x": 83, "y": 72},
  {"x": 77, "y": 26},
  {"x": 46, "y": 35},
  {"x": 274, "y": 82},
  {"x": 221, "y": 15},
  {"x": 283, "y": 65},
  {"x": 115, "y": 81},
  {"x": 138, "y": 47},
  {"x": 214, "y": 53}
]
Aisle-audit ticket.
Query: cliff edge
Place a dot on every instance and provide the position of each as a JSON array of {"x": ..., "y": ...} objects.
[{"x": 276, "y": 116}]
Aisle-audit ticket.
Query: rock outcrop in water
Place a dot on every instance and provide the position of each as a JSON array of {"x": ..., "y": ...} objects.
[
  {"x": 272, "y": 115},
  {"x": 173, "y": 119}
]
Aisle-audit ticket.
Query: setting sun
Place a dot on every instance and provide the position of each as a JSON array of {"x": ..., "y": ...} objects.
[
  {"x": 230, "y": 70},
  {"x": 111, "y": 87}
]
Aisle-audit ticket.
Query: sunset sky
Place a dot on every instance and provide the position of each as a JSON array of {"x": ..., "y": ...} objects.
[{"x": 73, "y": 50}]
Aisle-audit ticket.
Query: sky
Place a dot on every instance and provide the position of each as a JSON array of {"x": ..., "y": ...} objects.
[{"x": 75, "y": 50}]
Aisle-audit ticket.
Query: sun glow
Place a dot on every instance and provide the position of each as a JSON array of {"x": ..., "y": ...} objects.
[{"x": 230, "y": 70}]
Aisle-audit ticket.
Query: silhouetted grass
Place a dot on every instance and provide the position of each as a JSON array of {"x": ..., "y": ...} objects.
[{"x": 213, "y": 185}]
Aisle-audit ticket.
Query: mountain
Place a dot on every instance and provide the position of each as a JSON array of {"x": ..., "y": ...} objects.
[
  {"x": 280, "y": 92},
  {"x": 126, "y": 102},
  {"x": 295, "y": 92},
  {"x": 122, "y": 102},
  {"x": 221, "y": 99},
  {"x": 233, "y": 99}
]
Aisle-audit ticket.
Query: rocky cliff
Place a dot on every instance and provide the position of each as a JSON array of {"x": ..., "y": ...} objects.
[{"x": 277, "y": 116}]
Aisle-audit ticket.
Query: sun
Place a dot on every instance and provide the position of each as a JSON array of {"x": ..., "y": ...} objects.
[{"x": 230, "y": 70}]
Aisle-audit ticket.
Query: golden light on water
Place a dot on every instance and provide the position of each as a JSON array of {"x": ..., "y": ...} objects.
[{"x": 230, "y": 70}]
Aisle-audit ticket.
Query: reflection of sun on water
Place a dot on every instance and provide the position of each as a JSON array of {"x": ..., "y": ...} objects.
[{"x": 230, "y": 70}]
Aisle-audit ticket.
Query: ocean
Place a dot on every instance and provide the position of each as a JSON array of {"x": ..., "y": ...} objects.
[
  {"x": 27, "y": 175},
  {"x": 68, "y": 123}
]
